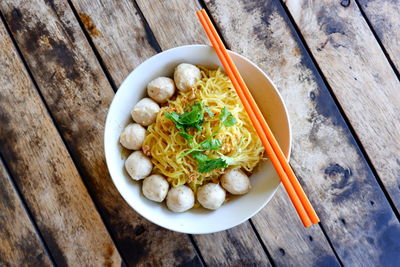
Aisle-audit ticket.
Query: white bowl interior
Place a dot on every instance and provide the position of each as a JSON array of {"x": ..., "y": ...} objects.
[{"x": 196, "y": 221}]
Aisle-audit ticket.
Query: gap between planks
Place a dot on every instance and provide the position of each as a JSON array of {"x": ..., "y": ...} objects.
[
  {"x": 269, "y": 256},
  {"x": 197, "y": 250},
  {"x": 342, "y": 113},
  {"x": 216, "y": 26},
  {"x": 19, "y": 194},
  {"x": 330, "y": 244},
  {"x": 389, "y": 59},
  {"x": 25, "y": 65},
  {"x": 91, "y": 44},
  {"x": 22, "y": 199}
]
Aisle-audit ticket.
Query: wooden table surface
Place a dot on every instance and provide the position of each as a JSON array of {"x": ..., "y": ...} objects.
[{"x": 336, "y": 64}]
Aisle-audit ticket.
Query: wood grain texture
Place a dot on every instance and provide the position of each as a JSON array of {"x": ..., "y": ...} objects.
[
  {"x": 235, "y": 247},
  {"x": 78, "y": 95},
  {"x": 44, "y": 172},
  {"x": 360, "y": 76},
  {"x": 174, "y": 23},
  {"x": 123, "y": 41},
  {"x": 353, "y": 210},
  {"x": 385, "y": 20},
  {"x": 288, "y": 242},
  {"x": 111, "y": 42},
  {"x": 20, "y": 242}
]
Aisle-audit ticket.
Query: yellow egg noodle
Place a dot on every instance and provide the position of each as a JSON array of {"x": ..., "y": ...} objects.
[{"x": 240, "y": 141}]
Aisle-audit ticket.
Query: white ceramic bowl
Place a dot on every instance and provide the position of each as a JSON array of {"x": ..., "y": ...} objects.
[{"x": 196, "y": 221}]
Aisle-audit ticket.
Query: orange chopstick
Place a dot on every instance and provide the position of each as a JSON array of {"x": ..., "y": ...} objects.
[
  {"x": 282, "y": 159},
  {"x": 275, "y": 162},
  {"x": 288, "y": 178}
]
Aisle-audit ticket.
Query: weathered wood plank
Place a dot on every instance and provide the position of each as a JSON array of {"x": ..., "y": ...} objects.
[
  {"x": 235, "y": 247},
  {"x": 288, "y": 242},
  {"x": 361, "y": 78},
  {"x": 78, "y": 95},
  {"x": 20, "y": 243},
  {"x": 385, "y": 20},
  {"x": 44, "y": 172},
  {"x": 111, "y": 42},
  {"x": 353, "y": 209},
  {"x": 134, "y": 42},
  {"x": 174, "y": 23}
]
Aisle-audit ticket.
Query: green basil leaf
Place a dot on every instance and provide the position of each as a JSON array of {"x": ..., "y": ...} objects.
[
  {"x": 193, "y": 118},
  {"x": 200, "y": 157},
  {"x": 174, "y": 117},
  {"x": 212, "y": 164},
  {"x": 227, "y": 118},
  {"x": 224, "y": 114},
  {"x": 206, "y": 164},
  {"x": 230, "y": 121},
  {"x": 187, "y": 136},
  {"x": 211, "y": 144}
]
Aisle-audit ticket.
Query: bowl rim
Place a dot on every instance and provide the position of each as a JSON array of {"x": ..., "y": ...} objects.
[{"x": 287, "y": 154}]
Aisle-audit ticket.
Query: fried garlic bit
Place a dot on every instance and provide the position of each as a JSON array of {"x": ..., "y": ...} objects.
[
  {"x": 192, "y": 177},
  {"x": 146, "y": 150},
  {"x": 193, "y": 93}
]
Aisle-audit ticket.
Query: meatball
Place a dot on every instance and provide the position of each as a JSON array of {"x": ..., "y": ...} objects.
[
  {"x": 145, "y": 112},
  {"x": 155, "y": 187},
  {"x": 186, "y": 76},
  {"x": 235, "y": 182},
  {"x": 161, "y": 89},
  {"x": 132, "y": 136},
  {"x": 180, "y": 198},
  {"x": 138, "y": 165},
  {"x": 211, "y": 196}
]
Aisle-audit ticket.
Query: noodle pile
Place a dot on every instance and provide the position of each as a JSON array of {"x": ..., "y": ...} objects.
[{"x": 165, "y": 145}]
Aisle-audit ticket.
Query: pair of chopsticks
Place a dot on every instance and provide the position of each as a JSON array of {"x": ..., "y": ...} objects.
[{"x": 299, "y": 199}]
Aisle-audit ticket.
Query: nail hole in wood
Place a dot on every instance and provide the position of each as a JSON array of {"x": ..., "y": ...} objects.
[
  {"x": 345, "y": 3},
  {"x": 312, "y": 96}
]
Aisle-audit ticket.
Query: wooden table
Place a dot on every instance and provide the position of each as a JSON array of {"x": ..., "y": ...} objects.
[{"x": 336, "y": 64}]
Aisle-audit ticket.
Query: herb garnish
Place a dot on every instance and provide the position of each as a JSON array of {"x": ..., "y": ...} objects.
[
  {"x": 207, "y": 164},
  {"x": 211, "y": 144},
  {"x": 195, "y": 118},
  {"x": 187, "y": 136},
  {"x": 227, "y": 118}
]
